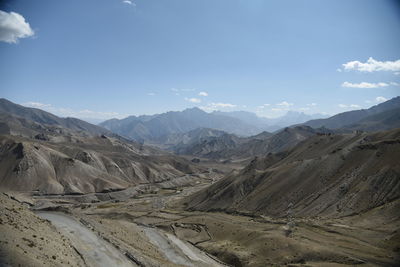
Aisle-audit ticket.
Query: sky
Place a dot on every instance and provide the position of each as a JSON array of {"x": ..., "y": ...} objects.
[{"x": 99, "y": 59}]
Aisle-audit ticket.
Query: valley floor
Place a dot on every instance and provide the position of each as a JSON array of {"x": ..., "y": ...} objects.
[{"x": 153, "y": 229}]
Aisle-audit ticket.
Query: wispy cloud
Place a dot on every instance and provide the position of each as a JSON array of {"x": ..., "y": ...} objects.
[
  {"x": 285, "y": 104},
  {"x": 129, "y": 2},
  {"x": 263, "y": 106},
  {"x": 193, "y": 100},
  {"x": 350, "y": 106},
  {"x": 381, "y": 99},
  {"x": 151, "y": 94},
  {"x": 67, "y": 112},
  {"x": 13, "y": 27},
  {"x": 36, "y": 105},
  {"x": 179, "y": 91},
  {"x": 364, "y": 85},
  {"x": 378, "y": 99},
  {"x": 217, "y": 106},
  {"x": 203, "y": 94},
  {"x": 372, "y": 65},
  {"x": 183, "y": 89}
]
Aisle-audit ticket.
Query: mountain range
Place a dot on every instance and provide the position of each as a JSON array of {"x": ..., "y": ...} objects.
[
  {"x": 52, "y": 154},
  {"x": 366, "y": 117},
  {"x": 157, "y": 128},
  {"x": 40, "y": 152},
  {"x": 20, "y": 115},
  {"x": 272, "y": 124}
]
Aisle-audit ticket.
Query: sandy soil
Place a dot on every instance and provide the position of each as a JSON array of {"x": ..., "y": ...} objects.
[{"x": 27, "y": 240}]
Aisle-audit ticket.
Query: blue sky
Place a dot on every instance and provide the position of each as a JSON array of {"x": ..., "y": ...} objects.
[{"x": 111, "y": 58}]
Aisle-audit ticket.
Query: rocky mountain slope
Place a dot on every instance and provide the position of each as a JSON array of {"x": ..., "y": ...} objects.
[
  {"x": 27, "y": 240},
  {"x": 153, "y": 128},
  {"x": 385, "y": 120},
  {"x": 208, "y": 146},
  {"x": 326, "y": 175},
  {"x": 20, "y": 115},
  {"x": 346, "y": 119},
  {"x": 272, "y": 124},
  {"x": 52, "y": 157},
  {"x": 232, "y": 147},
  {"x": 94, "y": 164}
]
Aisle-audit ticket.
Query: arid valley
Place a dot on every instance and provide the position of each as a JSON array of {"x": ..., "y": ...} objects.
[{"x": 199, "y": 133}]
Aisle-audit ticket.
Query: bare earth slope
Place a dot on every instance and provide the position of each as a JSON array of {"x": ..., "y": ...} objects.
[
  {"x": 95, "y": 164},
  {"x": 327, "y": 175},
  {"x": 43, "y": 117},
  {"x": 231, "y": 147},
  {"x": 27, "y": 240},
  {"x": 355, "y": 116},
  {"x": 50, "y": 155}
]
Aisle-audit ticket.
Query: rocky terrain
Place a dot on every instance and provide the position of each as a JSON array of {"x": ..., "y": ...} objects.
[
  {"x": 310, "y": 197},
  {"x": 95, "y": 164},
  {"x": 231, "y": 147},
  {"x": 18, "y": 117},
  {"x": 345, "y": 119},
  {"x": 326, "y": 175},
  {"x": 52, "y": 157},
  {"x": 153, "y": 128},
  {"x": 27, "y": 240}
]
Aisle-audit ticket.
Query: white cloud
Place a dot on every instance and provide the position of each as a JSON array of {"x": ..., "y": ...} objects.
[
  {"x": 151, "y": 94},
  {"x": 129, "y": 2},
  {"x": 381, "y": 99},
  {"x": 203, "y": 94},
  {"x": 266, "y": 105},
  {"x": 66, "y": 112},
  {"x": 285, "y": 104},
  {"x": 193, "y": 100},
  {"x": 304, "y": 109},
  {"x": 36, "y": 105},
  {"x": 312, "y": 104},
  {"x": 351, "y": 106},
  {"x": 223, "y": 105},
  {"x": 364, "y": 85},
  {"x": 13, "y": 26},
  {"x": 183, "y": 89},
  {"x": 372, "y": 65},
  {"x": 217, "y": 106}
]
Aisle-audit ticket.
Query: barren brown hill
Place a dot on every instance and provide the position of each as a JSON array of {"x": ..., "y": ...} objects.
[
  {"x": 326, "y": 175},
  {"x": 229, "y": 146},
  {"x": 45, "y": 118},
  {"x": 44, "y": 153},
  {"x": 92, "y": 165}
]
